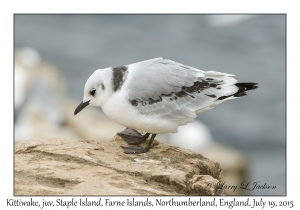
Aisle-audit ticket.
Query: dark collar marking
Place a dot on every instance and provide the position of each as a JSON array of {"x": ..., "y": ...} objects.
[{"x": 119, "y": 76}]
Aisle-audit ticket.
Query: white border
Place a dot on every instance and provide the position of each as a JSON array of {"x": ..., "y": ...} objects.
[{"x": 154, "y": 6}]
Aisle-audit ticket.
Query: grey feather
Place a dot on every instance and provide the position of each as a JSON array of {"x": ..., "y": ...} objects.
[{"x": 174, "y": 91}]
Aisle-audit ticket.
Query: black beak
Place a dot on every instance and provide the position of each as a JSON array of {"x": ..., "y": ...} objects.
[{"x": 81, "y": 106}]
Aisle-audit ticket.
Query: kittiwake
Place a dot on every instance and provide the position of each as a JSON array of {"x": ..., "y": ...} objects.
[{"x": 157, "y": 96}]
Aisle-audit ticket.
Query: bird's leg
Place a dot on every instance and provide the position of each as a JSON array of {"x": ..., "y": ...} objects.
[
  {"x": 138, "y": 149},
  {"x": 133, "y": 137}
]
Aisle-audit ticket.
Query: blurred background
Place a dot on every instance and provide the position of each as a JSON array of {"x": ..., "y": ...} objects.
[{"x": 55, "y": 54}]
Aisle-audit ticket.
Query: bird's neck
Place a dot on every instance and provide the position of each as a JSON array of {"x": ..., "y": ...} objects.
[{"x": 108, "y": 89}]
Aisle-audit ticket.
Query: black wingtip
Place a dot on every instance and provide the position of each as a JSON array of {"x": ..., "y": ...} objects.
[
  {"x": 247, "y": 85},
  {"x": 243, "y": 88}
]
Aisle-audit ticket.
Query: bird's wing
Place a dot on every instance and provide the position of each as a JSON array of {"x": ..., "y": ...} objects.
[{"x": 174, "y": 91}]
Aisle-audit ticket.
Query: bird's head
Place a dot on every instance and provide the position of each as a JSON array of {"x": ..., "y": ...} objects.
[{"x": 94, "y": 91}]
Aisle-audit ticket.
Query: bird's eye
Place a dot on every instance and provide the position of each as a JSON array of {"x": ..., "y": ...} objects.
[{"x": 92, "y": 92}]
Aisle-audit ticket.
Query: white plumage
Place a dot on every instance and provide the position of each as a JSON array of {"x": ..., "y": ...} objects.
[{"x": 158, "y": 95}]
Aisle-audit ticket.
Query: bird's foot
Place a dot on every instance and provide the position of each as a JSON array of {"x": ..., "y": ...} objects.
[
  {"x": 134, "y": 149},
  {"x": 138, "y": 149},
  {"x": 133, "y": 137}
]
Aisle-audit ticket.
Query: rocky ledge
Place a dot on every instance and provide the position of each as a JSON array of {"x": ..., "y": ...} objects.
[{"x": 69, "y": 167}]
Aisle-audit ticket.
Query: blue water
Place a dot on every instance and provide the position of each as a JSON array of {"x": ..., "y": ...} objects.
[{"x": 253, "y": 50}]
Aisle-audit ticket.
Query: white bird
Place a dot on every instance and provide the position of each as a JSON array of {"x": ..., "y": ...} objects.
[{"x": 157, "y": 96}]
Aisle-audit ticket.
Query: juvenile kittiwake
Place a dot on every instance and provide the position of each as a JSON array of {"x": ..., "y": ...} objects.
[{"x": 157, "y": 96}]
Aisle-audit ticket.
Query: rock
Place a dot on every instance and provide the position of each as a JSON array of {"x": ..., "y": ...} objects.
[
  {"x": 235, "y": 166},
  {"x": 197, "y": 137},
  {"x": 87, "y": 167}
]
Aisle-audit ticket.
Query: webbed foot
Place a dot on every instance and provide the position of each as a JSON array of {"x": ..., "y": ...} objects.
[
  {"x": 133, "y": 137},
  {"x": 138, "y": 149}
]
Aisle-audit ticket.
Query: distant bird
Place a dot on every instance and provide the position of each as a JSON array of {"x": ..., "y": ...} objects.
[{"x": 157, "y": 96}]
